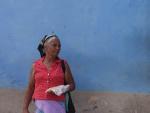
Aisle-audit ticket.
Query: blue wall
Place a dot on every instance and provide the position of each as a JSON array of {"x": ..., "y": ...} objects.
[{"x": 106, "y": 42}]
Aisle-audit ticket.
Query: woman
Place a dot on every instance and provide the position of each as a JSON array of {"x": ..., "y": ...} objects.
[{"x": 47, "y": 73}]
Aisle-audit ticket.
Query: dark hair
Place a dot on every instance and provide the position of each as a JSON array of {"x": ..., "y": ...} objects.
[{"x": 41, "y": 44}]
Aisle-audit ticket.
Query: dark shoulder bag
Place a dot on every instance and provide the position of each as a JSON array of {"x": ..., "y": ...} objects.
[{"x": 68, "y": 101}]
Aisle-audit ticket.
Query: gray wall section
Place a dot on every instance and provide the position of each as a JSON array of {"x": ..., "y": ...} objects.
[{"x": 106, "y": 42}]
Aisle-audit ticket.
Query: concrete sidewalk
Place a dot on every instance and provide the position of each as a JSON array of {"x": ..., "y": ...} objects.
[{"x": 85, "y": 102}]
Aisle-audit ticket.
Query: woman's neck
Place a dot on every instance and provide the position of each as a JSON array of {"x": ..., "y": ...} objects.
[{"x": 49, "y": 59}]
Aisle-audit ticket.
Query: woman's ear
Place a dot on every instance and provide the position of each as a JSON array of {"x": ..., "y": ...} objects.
[{"x": 44, "y": 49}]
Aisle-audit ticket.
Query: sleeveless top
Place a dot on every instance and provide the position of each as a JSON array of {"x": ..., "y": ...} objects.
[{"x": 46, "y": 78}]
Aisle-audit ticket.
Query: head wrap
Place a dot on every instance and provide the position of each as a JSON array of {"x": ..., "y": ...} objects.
[{"x": 41, "y": 44}]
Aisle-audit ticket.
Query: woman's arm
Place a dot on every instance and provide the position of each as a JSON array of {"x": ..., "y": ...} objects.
[
  {"x": 69, "y": 78},
  {"x": 29, "y": 91}
]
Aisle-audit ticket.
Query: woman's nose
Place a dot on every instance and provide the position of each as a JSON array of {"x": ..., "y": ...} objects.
[{"x": 58, "y": 47}]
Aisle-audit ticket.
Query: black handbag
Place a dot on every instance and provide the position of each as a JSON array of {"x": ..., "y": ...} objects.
[{"x": 69, "y": 105}]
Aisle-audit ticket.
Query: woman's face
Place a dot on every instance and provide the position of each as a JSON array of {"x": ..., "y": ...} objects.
[{"x": 52, "y": 46}]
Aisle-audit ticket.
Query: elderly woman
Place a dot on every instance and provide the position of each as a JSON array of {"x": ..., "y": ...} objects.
[{"x": 46, "y": 85}]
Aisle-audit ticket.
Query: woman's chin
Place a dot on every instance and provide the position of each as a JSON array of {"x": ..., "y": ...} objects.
[{"x": 55, "y": 55}]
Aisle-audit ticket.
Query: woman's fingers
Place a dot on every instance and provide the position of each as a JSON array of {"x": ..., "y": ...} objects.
[{"x": 49, "y": 91}]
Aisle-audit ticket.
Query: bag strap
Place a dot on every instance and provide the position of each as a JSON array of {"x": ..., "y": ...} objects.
[
  {"x": 69, "y": 103},
  {"x": 63, "y": 68}
]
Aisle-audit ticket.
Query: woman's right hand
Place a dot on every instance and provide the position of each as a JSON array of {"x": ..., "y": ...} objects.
[{"x": 29, "y": 92}]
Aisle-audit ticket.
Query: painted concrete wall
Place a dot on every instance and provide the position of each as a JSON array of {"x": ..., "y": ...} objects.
[{"x": 106, "y": 42}]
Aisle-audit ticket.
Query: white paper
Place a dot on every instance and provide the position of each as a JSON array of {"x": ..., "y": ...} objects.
[{"x": 58, "y": 90}]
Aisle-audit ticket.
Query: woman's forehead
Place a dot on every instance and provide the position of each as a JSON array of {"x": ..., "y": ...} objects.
[{"x": 52, "y": 40}]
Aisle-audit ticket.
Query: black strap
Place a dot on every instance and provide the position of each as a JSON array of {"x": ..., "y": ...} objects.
[
  {"x": 70, "y": 105},
  {"x": 63, "y": 66}
]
